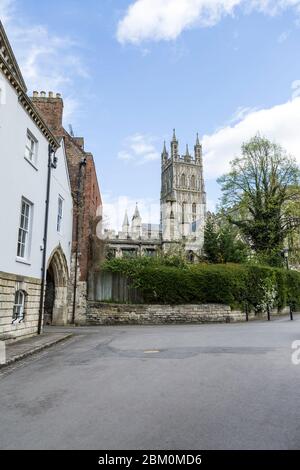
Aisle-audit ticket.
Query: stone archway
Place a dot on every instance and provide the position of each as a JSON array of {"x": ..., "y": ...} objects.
[{"x": 56, "y": 295}]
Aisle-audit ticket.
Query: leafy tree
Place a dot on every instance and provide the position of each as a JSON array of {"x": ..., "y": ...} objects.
[
  {"x": 257, "y": 194},
  {"x": 231, "y": 246},
  {"x": 211, "y": 244},
  {"x": 222, "y": 243}
]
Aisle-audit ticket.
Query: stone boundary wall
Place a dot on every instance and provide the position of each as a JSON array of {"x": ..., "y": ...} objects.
[
  {"x": 8, "y": 286},
  {"x": 99, "y": 313},
  {"x": 115, "y": 314}
]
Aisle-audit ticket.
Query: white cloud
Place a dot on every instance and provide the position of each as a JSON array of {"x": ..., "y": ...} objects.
[
  {"x": 139, "y": 149},
  {"x": 6, "y": 9},
  {"x": 296, "y": 88},
  {"x": 283, "y": 37},
  {"x": 114, "y": 210},
  {"x": 279, "y": 123},
  {"x": 48, "y": 61},
  {"x": 167, "y": 19},
  {"x": 240, "y": 114}
]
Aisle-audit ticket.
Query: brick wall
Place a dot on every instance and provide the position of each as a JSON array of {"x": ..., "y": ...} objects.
[
  {"x": 51, "y": 110},
  {"x": 8, "y": 286}
]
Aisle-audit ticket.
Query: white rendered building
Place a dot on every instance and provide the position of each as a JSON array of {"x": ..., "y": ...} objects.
[{"x": 26, "y": 248}]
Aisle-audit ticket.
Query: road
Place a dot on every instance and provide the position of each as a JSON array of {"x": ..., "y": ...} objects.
[{"x": 165, "y": 387}]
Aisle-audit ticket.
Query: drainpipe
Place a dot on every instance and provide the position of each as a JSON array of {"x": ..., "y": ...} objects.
[
  {"x": 78, "y": 201},
  {"x": 52, "y": 164}
]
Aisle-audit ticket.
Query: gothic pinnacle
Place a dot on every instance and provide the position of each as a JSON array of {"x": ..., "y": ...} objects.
[{"x": 126, "y": 220}]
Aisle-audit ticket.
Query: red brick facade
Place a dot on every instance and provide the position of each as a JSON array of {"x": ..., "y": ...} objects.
[{"x": 84, "y": 182}]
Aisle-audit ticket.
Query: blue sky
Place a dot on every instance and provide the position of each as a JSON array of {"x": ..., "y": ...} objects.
[{"x": 224, "y": 68}]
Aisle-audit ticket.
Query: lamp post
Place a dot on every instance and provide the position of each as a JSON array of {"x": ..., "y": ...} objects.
[
  {"x": 286, "y": 257},
  {"x": 52, "y": 165}
]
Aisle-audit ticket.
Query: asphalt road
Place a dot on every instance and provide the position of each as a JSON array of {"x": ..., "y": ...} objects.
[{"x": 165, "y": 387}]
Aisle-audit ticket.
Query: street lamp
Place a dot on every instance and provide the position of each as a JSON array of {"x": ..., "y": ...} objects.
[{"x": 286, "y": 257}]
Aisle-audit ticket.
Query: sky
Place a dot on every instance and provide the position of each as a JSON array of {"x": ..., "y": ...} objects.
[{"x": 132, "y": 70}]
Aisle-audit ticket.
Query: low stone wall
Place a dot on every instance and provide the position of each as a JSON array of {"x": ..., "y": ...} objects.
[
  {"x": 8, "y": 286},
  {"x": 114, "y": 314}
]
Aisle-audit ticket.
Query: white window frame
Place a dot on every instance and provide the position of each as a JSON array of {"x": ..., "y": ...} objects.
[
  {"x": 60, "y": 214},
  {"x": 24, "y": 231},
  {"x": 31, "y": 148},
  {"x": 19, "y": 306}
]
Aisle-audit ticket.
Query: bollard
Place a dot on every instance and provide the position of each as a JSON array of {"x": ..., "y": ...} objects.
[{"x": 269, "y": 313}]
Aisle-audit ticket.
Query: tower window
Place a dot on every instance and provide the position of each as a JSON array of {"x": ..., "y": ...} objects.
[
  {"x": 194, "y": 215},
  {"x": 194, "y": 210},
  {"x": 184, "y": 212},
  {"x": 193, "y": 182},
  {"x": 183, "y": 180}
]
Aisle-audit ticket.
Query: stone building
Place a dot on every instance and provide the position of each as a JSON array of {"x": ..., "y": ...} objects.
[
  {"x": 35, "y": 237},
  {"x": 183, "y": 197},
  {"x": 87, "y": 200},
  {"x": 135, "y": 239},
  {"x": 183, "y": 209}
]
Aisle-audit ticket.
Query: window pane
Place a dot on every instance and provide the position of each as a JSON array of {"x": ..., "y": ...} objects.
[
  {"x": 30, "y": 148},
  {"x": 23, "y": 229},
  {"x": 18, "y": 310}
]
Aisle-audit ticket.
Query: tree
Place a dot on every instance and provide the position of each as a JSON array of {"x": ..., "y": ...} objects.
[
  {"x": 211, "y": 244},
  {"x": 222, "y": 243},
  {"x": 231, "y": 247},
  {"x": 257, "y": 193}
]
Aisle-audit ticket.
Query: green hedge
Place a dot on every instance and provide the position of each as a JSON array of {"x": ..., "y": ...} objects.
[{"x": 231, "y": 284}]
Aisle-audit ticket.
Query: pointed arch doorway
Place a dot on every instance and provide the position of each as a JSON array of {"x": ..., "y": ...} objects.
[{"x": 56, "y": 294}]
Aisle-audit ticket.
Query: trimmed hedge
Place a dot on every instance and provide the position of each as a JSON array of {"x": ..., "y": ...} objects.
[{"x": 230, "y": 284}]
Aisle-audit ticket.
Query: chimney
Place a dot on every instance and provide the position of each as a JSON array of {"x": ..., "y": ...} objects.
[
  {"x": 79, "y": 141},
  {"x": 51, "y": 109}
]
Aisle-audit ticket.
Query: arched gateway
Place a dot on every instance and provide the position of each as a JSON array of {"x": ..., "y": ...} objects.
[{"x": 56, "y": 295}]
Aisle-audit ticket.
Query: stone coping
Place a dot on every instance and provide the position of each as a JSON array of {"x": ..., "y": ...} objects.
[{"x": 19, "y": 277}]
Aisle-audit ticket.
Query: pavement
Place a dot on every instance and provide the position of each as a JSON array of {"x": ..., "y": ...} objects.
[
  {"x": 20, "y": 349},
  {"x": 179, "y": 387}
]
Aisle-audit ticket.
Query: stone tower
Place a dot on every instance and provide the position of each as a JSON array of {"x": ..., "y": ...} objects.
[{"x": 183, "y": 197}]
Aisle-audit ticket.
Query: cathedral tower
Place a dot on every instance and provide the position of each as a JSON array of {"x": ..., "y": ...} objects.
[{"x": 183, "y": 197}]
